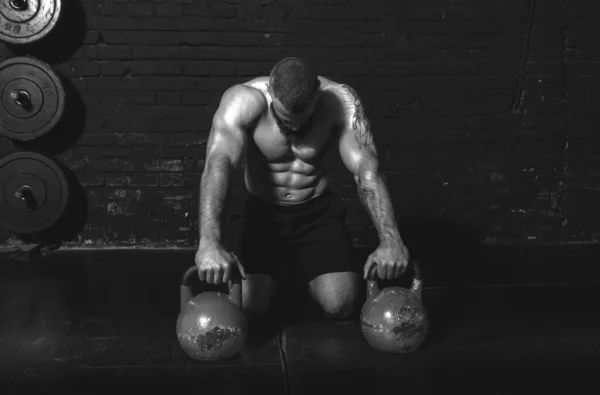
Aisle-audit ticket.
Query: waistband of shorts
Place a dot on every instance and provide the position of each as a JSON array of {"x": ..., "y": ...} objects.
[{"x": 257, "y": 203}]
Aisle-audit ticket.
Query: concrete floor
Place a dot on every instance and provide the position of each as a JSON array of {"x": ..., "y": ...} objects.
[{"x": 85, "y": 322}]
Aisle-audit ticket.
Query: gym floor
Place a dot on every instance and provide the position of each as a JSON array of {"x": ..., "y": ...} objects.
[{"x": 85, "y": 322}]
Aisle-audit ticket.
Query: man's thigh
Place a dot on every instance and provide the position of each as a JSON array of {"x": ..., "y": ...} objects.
[
  {"x": 323, "y": 247},
  {"x": 259, "y": 250}
]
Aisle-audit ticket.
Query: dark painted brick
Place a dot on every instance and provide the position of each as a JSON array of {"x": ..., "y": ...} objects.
[
  {"x": 111, "y": 68},
  {"x": 140, "y": 98},
  {"x": 80, "y": 84},
  {"x": 80, "y": 68},
  {"x": 198, "y": 98},
  {"x": 92, "y": 37},
  {"x": 156, "y": 67},
  {"x": 90, "y": 152},
  {"x": 169, "y": 165},
  {"x": 336, "y": 40},
  {"x": 221, "y": 69},
  {"x": 220, "y": 10},
  {"x": 174, "y": 152},
  {"x": 118, "y": 180},
  {"x": 102, "y": 52},
  {"x": 170, "y": 180},
  {"x": 90, "y": 98},
  {"x": 251, "y": 70},
  {"x": 145, "y": 179},
  {"x": 169, "y": 10},
  {"x": 117, "y": 152},
  {"x": 97, "y": 139},
  {"x": 111, "y": 97},
  {"x": 114, "y": 97},
  {"x": 300, "y": 40},
  {"x": 113, "y": 165},
  {"x": 113, "y": 83},
  {"x": 152, "y": 38},
  {"x": 107, "y": 9},
  {"x": 140, "y": 10},
  {"x": 157, "y": 52},
  {"x": 216, "y": 53},
  {"x": 112, "y": 37},
  {"x": 195, "y": 68},
  {"x": 169, "y": 98},
  {"x": 91, "y": 180},
  {"x": 272, "y": 40},
  {"x": 213, "y": 24},
  {"x": 251, "y": 11},
  {"x": 145, "y": 152},
  {"x": 233, "y": 39},
  {"x": 168, "y": 83}
]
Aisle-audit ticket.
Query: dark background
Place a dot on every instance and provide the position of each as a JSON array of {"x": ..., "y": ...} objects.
[{"x": 485, "y": 110}]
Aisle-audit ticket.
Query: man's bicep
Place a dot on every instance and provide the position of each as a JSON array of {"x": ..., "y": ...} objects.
[
  {"x": 227, "y": 137},
  {"x": 357, "y": 147}
]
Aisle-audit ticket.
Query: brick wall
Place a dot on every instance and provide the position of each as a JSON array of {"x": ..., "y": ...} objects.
[{"x": 482, "y": 108}]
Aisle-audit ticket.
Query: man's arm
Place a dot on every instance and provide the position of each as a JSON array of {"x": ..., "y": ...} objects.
[
  {"x": 359, "y": 154},
  {"x": 225, "y": 153}
]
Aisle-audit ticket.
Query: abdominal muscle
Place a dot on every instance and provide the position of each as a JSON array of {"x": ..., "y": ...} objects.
[{"x": 286, "y": 184}]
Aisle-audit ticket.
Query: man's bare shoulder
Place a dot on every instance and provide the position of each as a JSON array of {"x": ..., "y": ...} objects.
[
  {"x": 341, "y": 98},
  {"x": 336, "y": 89},
  {"x": 246, "y": 94},
  {"x": 246, "y": 102}
]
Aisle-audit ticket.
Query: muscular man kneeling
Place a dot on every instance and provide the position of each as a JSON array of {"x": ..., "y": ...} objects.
[{"x": 283, "y": 131}]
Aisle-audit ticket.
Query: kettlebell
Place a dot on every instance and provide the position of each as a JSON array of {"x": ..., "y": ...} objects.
[
  {"x": 211, "y": 325},
  {"x": 394, "y": 319}
]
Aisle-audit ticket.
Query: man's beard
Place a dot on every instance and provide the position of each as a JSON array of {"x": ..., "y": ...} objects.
[{"x": 289, "y": 133}]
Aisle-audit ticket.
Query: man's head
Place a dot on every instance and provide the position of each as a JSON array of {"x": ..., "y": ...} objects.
[{"x": 294, "y": 87}]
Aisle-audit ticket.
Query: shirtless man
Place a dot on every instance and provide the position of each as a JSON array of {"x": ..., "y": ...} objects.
[{"x": 280, "y": 130}]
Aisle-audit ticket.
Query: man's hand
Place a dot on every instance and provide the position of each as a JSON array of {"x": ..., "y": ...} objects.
[
  {"x": 387, "y": 262},
  {"x": 216, "y": 265}
]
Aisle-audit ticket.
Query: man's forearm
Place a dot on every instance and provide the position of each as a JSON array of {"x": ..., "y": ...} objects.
[
  {"x": 375, "y": 197},
  {"x": 213, "y": 195}
]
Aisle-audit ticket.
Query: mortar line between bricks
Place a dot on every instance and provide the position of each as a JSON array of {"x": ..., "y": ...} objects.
[{"x": 518, "y": 99}]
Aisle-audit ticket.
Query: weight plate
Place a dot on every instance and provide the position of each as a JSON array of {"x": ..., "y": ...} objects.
[
  {"x": 33, "y": 192},
  {"x": 26, "y": 21},
  {"x": 32, "y": 98}
]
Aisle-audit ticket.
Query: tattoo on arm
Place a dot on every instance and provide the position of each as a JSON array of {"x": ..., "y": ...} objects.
[
  {"x": 360, "y": 123},
  {"x": 374, "y": 195},
  {"x": 368, "y": 194}
]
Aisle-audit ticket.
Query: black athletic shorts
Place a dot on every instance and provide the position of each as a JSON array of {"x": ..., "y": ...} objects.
[{"x": 311, "y": 237}]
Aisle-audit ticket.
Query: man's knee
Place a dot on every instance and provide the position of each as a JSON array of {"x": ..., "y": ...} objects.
[
  {"x": 339, "y": 309},
  {"x": 337, "y": 294}
]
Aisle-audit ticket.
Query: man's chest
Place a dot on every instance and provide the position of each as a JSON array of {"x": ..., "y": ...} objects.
[{"x": 276, "y": 146}]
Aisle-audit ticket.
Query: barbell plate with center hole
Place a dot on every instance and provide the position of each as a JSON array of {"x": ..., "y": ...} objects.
[
  {"x": 33, "y": 192},
  {"x": 26, "y": 21},
  {"x": 32, "y": 98}
]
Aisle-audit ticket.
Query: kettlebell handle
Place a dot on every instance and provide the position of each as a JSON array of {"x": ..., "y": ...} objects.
[
  {"x": 235, "y": 286},
  {"x": 416, "y": 288}
]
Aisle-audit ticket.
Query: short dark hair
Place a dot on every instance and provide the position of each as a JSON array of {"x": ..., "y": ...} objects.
[{"x": 294, "y": 82}]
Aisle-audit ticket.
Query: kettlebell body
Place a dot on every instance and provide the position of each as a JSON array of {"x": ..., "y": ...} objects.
[
  {"x": 394, "y": 319},
  {"x": 211, "y": 325}
]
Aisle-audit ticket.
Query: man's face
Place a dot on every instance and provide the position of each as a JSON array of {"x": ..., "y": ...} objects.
[{"x": 289, "y": 121}]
